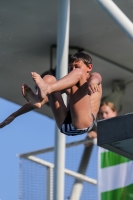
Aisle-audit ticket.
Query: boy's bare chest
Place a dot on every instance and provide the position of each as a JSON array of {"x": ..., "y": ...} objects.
[{"x": 95, "y": 102}]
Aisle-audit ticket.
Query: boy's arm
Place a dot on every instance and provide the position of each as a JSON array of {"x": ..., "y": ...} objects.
[
  {"x": 94, "y": 81},
  {"x": 24, "y": 109}
]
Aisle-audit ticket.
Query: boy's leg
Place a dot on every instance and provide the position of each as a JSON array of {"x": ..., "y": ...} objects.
[
  {"x": 80, "y": 105},
  {"x": 55, "y": 100},
  {"x": 66, "y": 82},
  {"x": 33, "y": 98}
]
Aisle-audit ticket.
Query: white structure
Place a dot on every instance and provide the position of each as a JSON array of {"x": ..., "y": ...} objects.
[
  {"x": 62, "y": 60},
  {"x": 79, "y": 176},
  {"x": 62, "y": 54},
  {"x": 118, "y": 16}
]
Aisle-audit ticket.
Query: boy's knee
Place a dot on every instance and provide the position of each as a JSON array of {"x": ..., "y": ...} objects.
[
  {"x": 49, "y": 79},
  {"x": 80, "y": 73}
]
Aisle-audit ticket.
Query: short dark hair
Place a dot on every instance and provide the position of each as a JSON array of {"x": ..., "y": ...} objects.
[{"x": 81, "y": 56}]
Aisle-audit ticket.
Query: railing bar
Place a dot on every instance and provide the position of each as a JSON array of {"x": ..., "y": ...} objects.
[
  {"x": 87, "y": 140},
  {"x": 66, "y": 171}
]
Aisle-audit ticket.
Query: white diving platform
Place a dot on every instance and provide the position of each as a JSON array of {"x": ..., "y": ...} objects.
[{"x": 116, "y": 134}]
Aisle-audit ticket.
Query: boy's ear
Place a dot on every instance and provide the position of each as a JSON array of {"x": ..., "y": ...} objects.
[{"x": 90, "y": 66}]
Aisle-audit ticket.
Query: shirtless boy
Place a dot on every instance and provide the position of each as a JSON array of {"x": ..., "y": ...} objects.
[{"x": 84, "y": 93}]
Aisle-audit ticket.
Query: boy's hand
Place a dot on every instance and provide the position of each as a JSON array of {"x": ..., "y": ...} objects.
[
  {"x": 93, "y": 87},
  {"x": 7, "y": 121}
]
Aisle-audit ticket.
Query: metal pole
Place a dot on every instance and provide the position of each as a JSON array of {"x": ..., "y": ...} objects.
[
  {"x": 118, "y": 16},
  {"x": 62, "y": 70}
]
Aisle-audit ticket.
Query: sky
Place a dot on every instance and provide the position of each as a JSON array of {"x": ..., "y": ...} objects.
[{"x": 26, "y": 133}]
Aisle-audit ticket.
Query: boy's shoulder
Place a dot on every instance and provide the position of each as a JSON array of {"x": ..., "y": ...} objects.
[
  {"x": 96, "y": 76},
  {"x": 95, "y": 73}
]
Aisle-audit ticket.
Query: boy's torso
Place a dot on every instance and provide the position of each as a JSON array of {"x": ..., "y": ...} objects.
[{"x": 95, "y": 100}]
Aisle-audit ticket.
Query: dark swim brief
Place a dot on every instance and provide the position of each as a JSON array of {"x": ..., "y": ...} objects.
[{"x": 68, "y": 129}]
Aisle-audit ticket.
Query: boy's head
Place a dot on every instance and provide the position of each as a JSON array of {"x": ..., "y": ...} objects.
[
  {"x": 80, "y": 56},
  {"x": 81, "y": 60}
]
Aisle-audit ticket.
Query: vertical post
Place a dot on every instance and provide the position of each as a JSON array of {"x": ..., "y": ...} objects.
[
  {"x": 119, "y": 17},
  {"x": 62, "y": 70},
  {"x": 20, "y": 179},
  {"x": 49, "y": 183}
]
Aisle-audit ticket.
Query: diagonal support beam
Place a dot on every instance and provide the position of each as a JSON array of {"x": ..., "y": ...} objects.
[
  {"x": 78, "y": 185},
  {"x": 118, "y": 16}
]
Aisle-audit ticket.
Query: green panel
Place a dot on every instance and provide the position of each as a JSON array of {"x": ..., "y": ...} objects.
[
  {"x": 110, "y": 158},
  {"x": 125, "y": 193}
]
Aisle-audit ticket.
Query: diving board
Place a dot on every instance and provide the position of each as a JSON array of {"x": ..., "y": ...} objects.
[{"x": 116, "y": 134}]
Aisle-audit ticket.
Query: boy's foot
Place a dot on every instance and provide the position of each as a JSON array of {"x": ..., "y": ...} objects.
[
  {"x": 29, "y": 95},
  {"x": 41, "y": 84}
]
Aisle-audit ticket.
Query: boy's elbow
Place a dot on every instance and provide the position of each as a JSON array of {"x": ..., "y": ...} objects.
[{"x": 98, "y": 77}]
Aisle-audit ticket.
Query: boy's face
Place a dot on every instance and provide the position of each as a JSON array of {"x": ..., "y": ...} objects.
[{"x": 81, "y": 65}]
